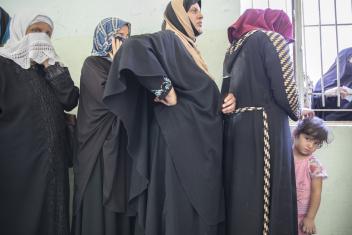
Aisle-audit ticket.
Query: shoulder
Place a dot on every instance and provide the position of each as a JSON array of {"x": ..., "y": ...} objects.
[
  {"x": 95, "y": 62},
  {"x": 160, "y": 35},
  {"x": 5, "y": 61},
  {"x": 316, "y": 169},
  {"x": 314, "y": 160},
  {"x": 271, "y": 36}
]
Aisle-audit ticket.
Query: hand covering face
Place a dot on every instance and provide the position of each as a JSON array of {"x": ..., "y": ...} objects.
[
  {"x": 104, "y": 33},
  {"x": 24, "y": 48}
]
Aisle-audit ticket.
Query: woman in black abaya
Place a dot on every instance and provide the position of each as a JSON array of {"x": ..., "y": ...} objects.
[
  {"x": 102, "y": 162},
  {"x": 160, "y": 87}
]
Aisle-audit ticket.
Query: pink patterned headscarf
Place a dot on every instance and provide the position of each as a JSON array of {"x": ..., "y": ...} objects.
[{"x": 268, "y": 19}]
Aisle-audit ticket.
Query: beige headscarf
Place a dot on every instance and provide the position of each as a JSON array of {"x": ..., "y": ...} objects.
[{"x": 187, "y": 40}]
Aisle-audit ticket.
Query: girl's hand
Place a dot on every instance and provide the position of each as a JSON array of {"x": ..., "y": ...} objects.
[
  {"x": 170, "y": 99},
  {"x": 308, "y": 226},
  {"x": 229, "y": 104},
  {"x": 116, "y": 44}
]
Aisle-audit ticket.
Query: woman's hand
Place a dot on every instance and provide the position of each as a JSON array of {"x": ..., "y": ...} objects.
[
  {"x": 307, "y": 113},
  {"x": 46, "y": 63},
  {"x": 170, "y": 99},
  {"x": 334, "y": 91},
  {"x": 116, "y": 44},
  {"x": 229, "y": 104}
]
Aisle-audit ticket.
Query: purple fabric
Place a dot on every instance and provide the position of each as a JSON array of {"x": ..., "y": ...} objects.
[
  {"x": 268, "y": 19},
  {"x": 345, "y": 67}
]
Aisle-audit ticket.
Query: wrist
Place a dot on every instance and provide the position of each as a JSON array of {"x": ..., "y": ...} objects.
[{"x": 310, "y": 217}]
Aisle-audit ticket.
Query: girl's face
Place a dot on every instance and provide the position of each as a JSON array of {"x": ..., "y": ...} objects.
[
  {"x": 305, "y": 145},
  {"x": 195, "y": 15}
]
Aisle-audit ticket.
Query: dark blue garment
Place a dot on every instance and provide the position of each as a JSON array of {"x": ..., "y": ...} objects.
[
  {"x": 4, "y": 26},
  {"x": 330, "y": 81},
  {"x": 345, "y": 67}
]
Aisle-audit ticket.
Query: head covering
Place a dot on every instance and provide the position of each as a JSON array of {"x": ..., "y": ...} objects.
[
  {"x": 4, "y": 26},
  {"x": 22, "y": 48},
  {"x": 181, "y": 22},
  {"x": 176, "y": 19},
  {"x": 268, "y": 19},
  {"x": 345, "y": 68},
  {"x": 104, "y": 33}
]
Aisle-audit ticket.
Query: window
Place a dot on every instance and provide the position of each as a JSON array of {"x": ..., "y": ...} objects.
[{"x": 323, "y": 28}]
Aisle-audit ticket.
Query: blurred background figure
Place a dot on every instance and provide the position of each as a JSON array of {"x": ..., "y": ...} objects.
[
  {"x": 4, "y": 26},
  {"x": 331, "y": 90}
]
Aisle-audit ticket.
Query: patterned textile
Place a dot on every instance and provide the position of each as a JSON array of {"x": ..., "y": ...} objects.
[
  {"x": 282, "y": 49},
  {"x": 104, "y": 33}
]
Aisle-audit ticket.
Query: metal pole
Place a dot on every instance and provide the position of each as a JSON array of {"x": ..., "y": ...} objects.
[
  {"x": 298, "y": 54},
  {"x": 337, "y": 59},
  {"x": 321, "y": 59},
  {"x": 304, "y": 41}
]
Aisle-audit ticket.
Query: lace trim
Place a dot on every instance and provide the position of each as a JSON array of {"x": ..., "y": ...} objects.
[
  {"x": 35, "y": 47},
  {"x": 165, "y": 87}
]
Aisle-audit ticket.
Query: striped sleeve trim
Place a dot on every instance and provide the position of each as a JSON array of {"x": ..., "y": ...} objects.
[
  {"x": 237, "y": 44},
  {"x": 287, "y": 71}
]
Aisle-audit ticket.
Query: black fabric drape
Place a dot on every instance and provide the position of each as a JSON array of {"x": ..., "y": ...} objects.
[
  {"x": 101, "y": 149},
  {"x": 34, "y": 186},
  {"x": 192, "y": 129},
  {"x": 257, "y": 81},
  {"x": 331, "y": 103}
]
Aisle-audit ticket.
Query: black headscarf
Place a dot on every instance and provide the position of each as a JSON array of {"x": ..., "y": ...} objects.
[{"x": 171, "y": 16}]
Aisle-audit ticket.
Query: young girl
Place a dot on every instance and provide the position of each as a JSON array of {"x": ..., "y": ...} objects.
[{"x": 309, "y": 135}]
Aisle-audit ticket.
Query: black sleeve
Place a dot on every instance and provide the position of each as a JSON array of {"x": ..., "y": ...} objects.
[
  {"x": 93, "y": 79},
  {"x": 145, "y": 66},
  {"x": 2, "y": 94},
  {"x": 160, "y": 86},
  {"x": 280, "y": 71},
  {"x": 60, "y": 80}
]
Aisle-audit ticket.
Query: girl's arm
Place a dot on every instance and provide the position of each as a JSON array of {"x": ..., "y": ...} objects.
[{"x": 308, "y": 224}]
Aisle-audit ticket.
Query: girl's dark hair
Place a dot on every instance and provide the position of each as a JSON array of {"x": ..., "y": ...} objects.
[{"x": 313, "y": 127}]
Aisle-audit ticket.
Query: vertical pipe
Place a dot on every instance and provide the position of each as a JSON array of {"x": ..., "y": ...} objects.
[
  {"x": 337, "y": 59},
  {"x": 321, "y": 58},
  {"x": 298, "y": 54}
]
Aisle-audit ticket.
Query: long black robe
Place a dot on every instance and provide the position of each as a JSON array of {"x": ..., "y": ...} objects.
[
  {"x": 102, "y": 165},
  {"x": 257, "y": 80},
  {"x": 331, "y": 103},
  {"x": 34, "y": 186},
  {"x": 176, "y": 185}
]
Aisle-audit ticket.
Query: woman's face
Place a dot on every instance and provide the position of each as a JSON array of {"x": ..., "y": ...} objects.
[
  {"x": 195, "y": 15},
  {"x": 123, "y": 32},
  {"x": 40, "y": 27}
]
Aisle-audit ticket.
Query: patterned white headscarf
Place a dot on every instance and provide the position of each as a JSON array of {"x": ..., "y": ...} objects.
[{"x": 22, "y": 48}]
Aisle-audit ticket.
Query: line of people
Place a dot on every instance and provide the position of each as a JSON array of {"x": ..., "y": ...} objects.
[{"x": 160, "y": 150}]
